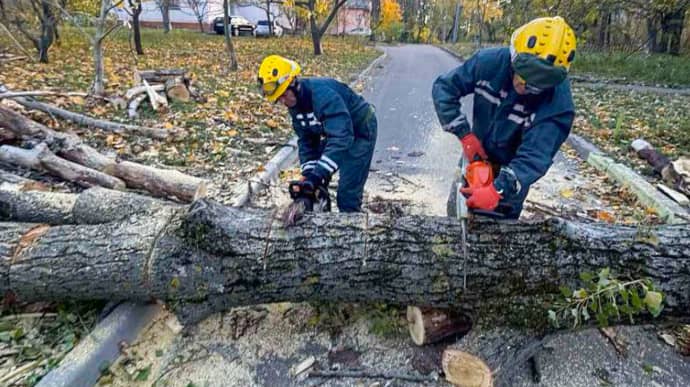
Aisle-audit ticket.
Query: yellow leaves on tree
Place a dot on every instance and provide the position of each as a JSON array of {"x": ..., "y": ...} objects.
[
  {"x": 482, "y": 11},
  {"x": 390, "y": 13}
]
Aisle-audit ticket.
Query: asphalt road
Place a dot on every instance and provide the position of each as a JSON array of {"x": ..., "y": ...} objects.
[{"x": 413, "y": 156}]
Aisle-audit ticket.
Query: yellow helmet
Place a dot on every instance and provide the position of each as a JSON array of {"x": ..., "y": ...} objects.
[
  {"x": 543, "y": 50},
  {"x": 275, "y": 76}
]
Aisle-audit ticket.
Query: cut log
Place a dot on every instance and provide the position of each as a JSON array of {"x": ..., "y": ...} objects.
[
  {"x": 158, "y": 76},
  {"x": 672, "y": 173},
  {"x": 209, "y": 258},
  {"x": 163, "y": 182},
  {"x": 84, "y": 120},
  {"x": 92, "y": 206},
  {"x": 141, "y": 89},
  {"x": 158, "y": 102},
  {"x": 177, "y": 89},
  {"x": 428, "y": 325},
  {"x": 42, "y": 159},
  {"x": 465, "y": 370}
]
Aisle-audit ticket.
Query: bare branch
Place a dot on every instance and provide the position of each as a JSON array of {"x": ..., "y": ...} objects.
[{"x": 16, "y": 42}]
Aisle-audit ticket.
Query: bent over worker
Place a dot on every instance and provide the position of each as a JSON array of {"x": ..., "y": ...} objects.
[
  {"x": 523, "y": 110},
  {"x": 335, "y": 126}
]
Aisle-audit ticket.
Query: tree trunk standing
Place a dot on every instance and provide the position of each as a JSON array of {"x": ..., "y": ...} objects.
[
  {"x": 47, "y": 31},
  {"x": 456, "y": 22},
  {"x": 375, "y": 18},
  {"x": 207, "y": 258},
  {"x": 671, "y": 30},
  {"x": 315, "y": 34},
  {"x": 268, "y": 18},
  {"x": 228, "y": 40},
  {"x": 652, "y": 31},
  {"x": 164, "y": 6},
  {"x": 136, "y": 8}
]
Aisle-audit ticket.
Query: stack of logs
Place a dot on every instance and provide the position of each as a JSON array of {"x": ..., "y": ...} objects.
[
  {"x": 158, "y": 86},
  {"x": 66, "y": 156}
]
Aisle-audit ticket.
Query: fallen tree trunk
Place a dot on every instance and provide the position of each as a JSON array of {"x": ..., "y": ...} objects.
[
  {"x": 84, "y": 120},
  {"x": 42, "y": 159},
  {"x": 209, "y": 258},
  {"x": 159, "y": 182}
]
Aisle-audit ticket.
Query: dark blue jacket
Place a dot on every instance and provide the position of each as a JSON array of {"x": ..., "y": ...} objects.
[
  {"x": 327, "y": 119},
  {"x": 522, "y": 133}
]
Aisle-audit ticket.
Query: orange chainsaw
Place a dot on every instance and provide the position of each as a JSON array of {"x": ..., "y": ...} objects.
[{"x": 474, "y": 174}]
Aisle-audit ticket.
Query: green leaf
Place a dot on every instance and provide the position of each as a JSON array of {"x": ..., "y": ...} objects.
[
  {"x": 602, "y": 319},
  {"x": 143, "y": 374},
  {"x": 624, "y": 294},
  {"x": 635, "y": 299},
  {"x": 565, "y": 291},
  {"x": 586, "y": 277},
  {"x": 18, "y": 333},
  {"x": 653, "y": 302}
]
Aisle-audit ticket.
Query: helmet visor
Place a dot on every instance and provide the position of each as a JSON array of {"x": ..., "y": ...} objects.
[
  {"x": 268, "y": 88},
  {"x": 538, "y": 72}
]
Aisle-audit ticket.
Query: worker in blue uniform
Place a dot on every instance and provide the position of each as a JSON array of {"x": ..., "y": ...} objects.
[
  {"x": 523, "y": 109},
  {"x": 336, "y": 129}
]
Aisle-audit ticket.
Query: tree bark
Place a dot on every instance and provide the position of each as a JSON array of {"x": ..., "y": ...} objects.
[
  {"x": 209, "y": 258},
  {"x": 227, "y": 29},
  {"x": 135, "y": 6}
]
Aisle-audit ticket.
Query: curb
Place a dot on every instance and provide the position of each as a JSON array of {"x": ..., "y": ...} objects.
[
  {"x": 82, "y": 365},
  {"x": 287, "y": 155},
  {"x": 668, "y": 210},
  {"x": 452, "y": 53}
]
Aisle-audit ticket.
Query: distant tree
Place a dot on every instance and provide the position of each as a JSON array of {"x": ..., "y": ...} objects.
[
  {"x": 135, "y": 9},
  {"x": 164, "y": 6},
  {"x": 318, "y": 10},
  {"x": 35, "y": 20},
  {"x": 233, "y": 66},
  {"x": 200, "y": 9}
]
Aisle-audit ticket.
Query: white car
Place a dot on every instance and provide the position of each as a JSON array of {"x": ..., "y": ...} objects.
[{"x": 263, "y": 30}]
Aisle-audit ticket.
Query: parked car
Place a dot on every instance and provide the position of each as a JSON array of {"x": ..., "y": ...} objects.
[
  {"x": 239, "y": 26},
  {"x": 262, "y": 29},
  {"x": 360, "y": 31}
]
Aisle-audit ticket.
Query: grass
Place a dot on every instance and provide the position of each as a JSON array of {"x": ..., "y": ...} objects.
[
  {"x": 612, "y": 119},
  {"x": 653, "y": 69},
  {"x": 636, "y": 67}
]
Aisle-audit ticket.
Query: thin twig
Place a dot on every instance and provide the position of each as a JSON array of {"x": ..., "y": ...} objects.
[
  {"x": 15, "y": 94},
  {"x": 178, "y": 365},
  {"x": 27, "y": 316},
  {"x": 371, "y": 375}
]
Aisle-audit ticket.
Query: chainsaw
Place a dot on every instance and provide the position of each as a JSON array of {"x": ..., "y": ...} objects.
[
  {"x": 475, "y": 174},
  {"x": 302, "y": 202}
]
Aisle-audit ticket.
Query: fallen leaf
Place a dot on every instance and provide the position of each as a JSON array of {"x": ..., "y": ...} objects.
[
  {"x": 271, "y": 123},
  {"x": 567, "y": 193},
  {"x": 605, "y": 216},
  {"x": 168, "y": 125}
]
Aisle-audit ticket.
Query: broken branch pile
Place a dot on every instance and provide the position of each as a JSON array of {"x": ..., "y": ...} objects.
[
  {"x": 158, "y": 86},
  {"x": 67, "y": 156}
]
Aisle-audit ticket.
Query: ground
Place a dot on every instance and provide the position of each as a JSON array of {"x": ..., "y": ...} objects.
[
  {"x": 234, "y": 132},
  {"x": 413, "y": 162}
]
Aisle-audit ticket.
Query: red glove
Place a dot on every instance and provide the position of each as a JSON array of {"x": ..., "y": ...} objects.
[
  {"x": 483, "y": 198},
  {"x": 473, "y": 148}
]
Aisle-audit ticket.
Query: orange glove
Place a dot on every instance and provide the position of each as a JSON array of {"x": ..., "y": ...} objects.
[
  {"x": 483, "y": 198},
  {"x": 472, "y": 148}
]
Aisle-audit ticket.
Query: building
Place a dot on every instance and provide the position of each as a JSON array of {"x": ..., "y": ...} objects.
[{"x": 353, "y": 18}]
